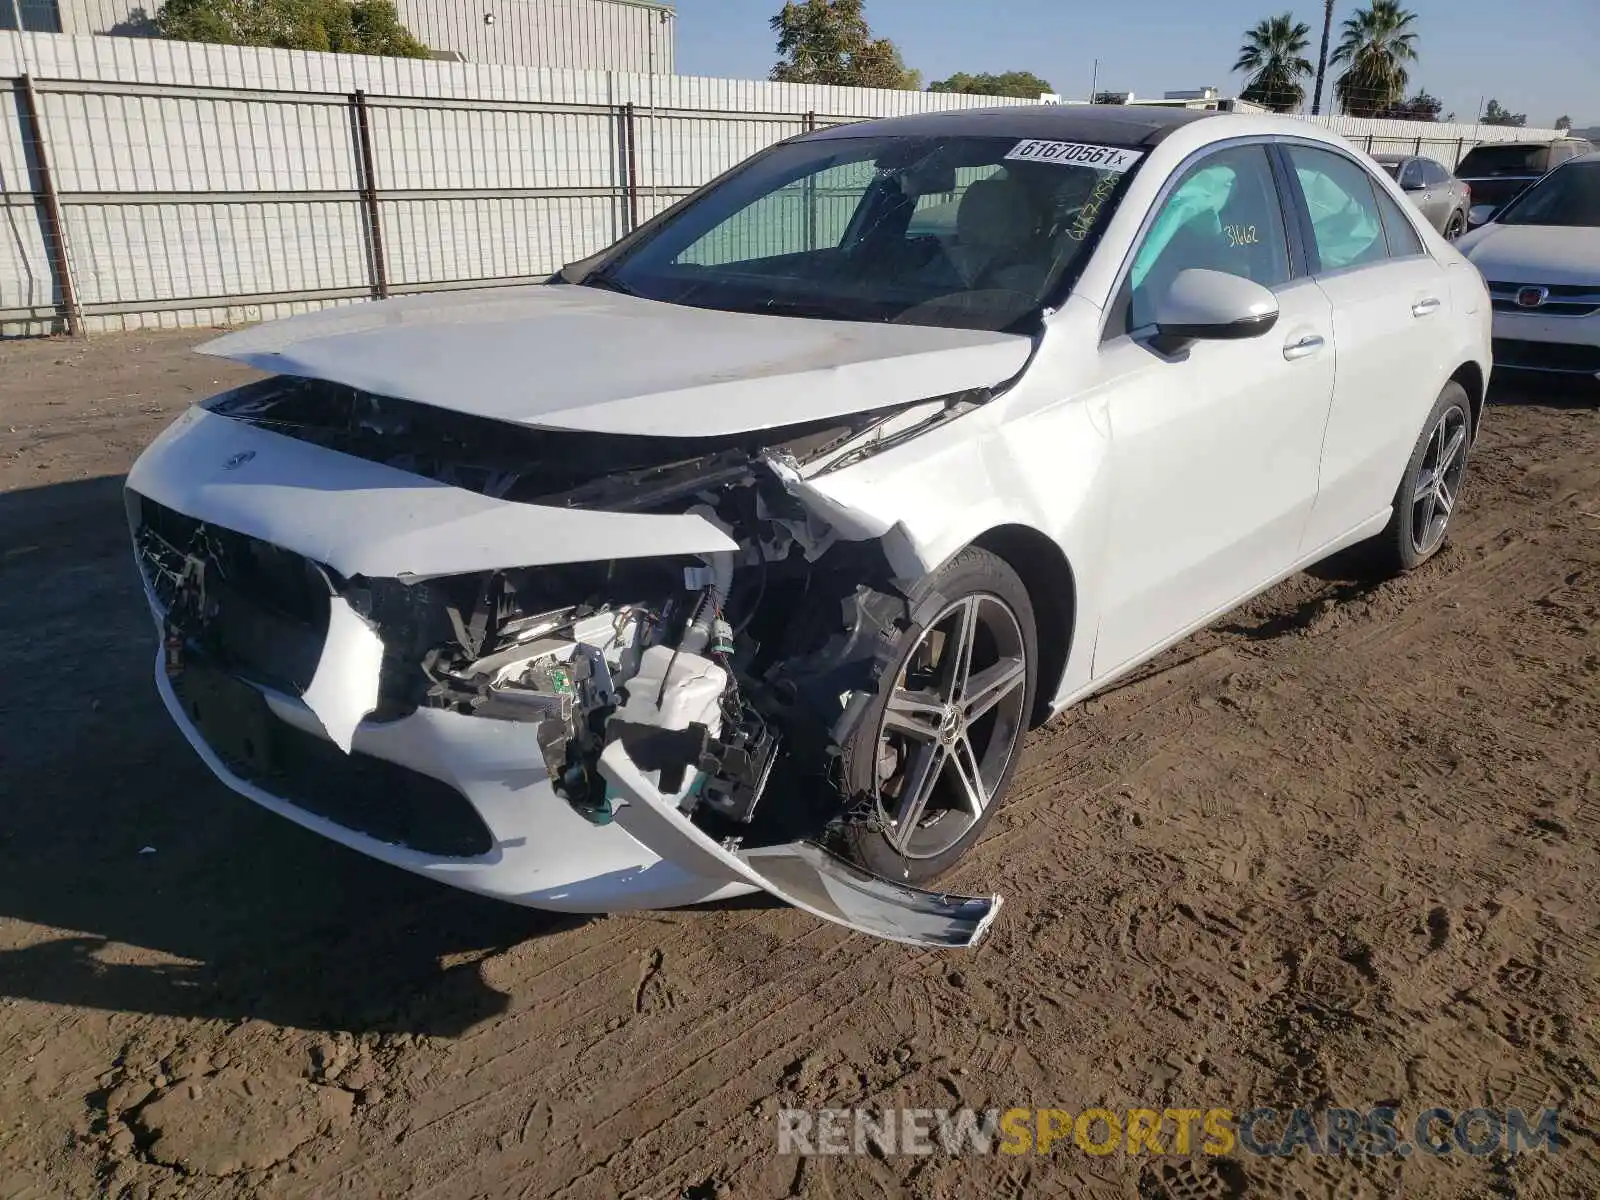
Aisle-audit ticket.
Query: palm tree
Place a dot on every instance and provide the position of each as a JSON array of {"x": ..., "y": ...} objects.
[
  {"x": 1274, "y": 54},
  {"x": 1377, "y": 44},
  {"x": 1322, "y": 56}
]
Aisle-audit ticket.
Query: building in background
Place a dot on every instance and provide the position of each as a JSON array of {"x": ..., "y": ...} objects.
[{"x": 594, "y": 35}]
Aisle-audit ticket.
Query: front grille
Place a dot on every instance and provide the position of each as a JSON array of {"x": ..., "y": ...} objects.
[
  {"x": 1518, "y": 354},
  {"x": 267, "y": 607},
  {"x": 1562, "y": 299},
  {"x": 367, "y": 795}
]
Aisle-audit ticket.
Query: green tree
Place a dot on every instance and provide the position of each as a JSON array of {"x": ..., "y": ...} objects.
[
  {"x": 339, "y": 26},
  {"x": 1377, "y": 46},
  {"x": 1322, "y": 55},
  {"x": 1274, "y": 55},
  {"x": 1421, "y": 107},
  {"x": 1564, "y": 123},
  {"x": 1493, "y": 114},
  {"x": 829, "y": 41},
  {"x": 1024, "y": 84}
]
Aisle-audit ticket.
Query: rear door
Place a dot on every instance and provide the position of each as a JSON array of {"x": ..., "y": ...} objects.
[
  {"x": 1391, "y": 312},
  {"x": 1214, "y": 448},
  {"x": 1438, "y": 196},
  {"x": 1414, "y": 182}
]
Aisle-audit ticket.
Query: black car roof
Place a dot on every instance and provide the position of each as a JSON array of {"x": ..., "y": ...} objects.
[{"x": 1114, "y": 124}]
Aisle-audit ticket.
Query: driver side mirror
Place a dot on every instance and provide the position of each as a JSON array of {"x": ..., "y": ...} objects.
[{"x": 1203, "y": 305}]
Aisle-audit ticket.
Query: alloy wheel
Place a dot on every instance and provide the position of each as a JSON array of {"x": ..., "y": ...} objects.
[
  {"x": 950, "y": 725},
  {"x": 1439, "y": 480}
]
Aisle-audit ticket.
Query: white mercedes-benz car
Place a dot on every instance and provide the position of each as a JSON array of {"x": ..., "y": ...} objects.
[
  {"x": 1541, "y": 256},
  {"x": 743, "y": 554}
]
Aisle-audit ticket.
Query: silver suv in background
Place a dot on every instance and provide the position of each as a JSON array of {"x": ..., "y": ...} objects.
[
  {"x": 1441, "y": 197},
  {"x": 1499, "y": 172}
]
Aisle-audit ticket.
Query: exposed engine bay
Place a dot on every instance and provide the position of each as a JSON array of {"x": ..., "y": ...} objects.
[{"x": 725, "y": 683}]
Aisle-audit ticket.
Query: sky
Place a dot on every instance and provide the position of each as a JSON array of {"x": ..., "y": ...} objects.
[{"x": 1539, "y": 57}]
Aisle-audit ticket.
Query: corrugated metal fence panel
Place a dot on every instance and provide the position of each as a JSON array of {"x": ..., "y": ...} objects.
[
  {"x": 128, "y": 253},
  {"x": 682, "y": 152},
  {"x": 25, "y": 277},
  {"x": 447, "y": 241},
  {"x": 110, "y": 143},
  {"x": 486, "y": 148}
]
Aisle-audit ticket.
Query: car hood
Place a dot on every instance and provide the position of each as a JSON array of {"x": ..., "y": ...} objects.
[
  {"x": 1539, "y": 254},
  {"x": 572, "y": 357}
]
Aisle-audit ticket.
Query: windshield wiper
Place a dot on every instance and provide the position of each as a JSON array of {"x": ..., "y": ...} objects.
[
  {"x": 800, "y": 308},
  {"x": 611, "y": 283}
]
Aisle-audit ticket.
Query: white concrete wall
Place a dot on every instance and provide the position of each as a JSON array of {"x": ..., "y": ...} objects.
[{"x": 247, "y": 203}]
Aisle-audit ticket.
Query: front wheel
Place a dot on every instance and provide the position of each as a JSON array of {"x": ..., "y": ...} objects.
[
  {"x": 934, "y": 755},
  {"x": 1431, "y": 487}
]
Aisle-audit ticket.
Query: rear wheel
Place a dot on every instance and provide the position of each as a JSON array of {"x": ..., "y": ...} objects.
[
  {"x": 1431, "y": 487},
  {"x": 935, "y": 753},
  {"x": 1456, "y": 225}
]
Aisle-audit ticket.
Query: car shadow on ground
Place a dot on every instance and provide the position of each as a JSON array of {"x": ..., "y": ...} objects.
[
  {"x": 1550, "y": 391},
  {"x": 141, "y": 884}
]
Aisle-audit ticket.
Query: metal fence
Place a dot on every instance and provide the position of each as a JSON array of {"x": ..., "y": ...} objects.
[
  {"x": 1448, "y": 151},
  {"x": 280, "y": 197}
]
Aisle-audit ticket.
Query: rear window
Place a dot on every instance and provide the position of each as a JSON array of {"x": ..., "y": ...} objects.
[{"x": 1505, "y": 160}]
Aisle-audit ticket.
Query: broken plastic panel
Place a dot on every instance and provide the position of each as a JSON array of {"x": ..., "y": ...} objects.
[{"x": 798, "y": 873}]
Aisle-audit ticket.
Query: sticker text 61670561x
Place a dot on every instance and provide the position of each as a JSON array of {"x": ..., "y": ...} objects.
[{"x": 1075, "y": 154}]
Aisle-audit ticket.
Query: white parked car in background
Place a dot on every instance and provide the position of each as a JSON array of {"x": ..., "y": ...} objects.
[
  {"x": 743, "y": 554},
  {"x": 1541, "y": 258}
]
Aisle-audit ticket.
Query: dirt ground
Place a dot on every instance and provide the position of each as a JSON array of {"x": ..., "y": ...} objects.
[{"x": 1339, "y": 850}]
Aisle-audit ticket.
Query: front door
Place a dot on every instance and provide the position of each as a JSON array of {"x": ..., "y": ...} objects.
[{"x": 1214, "y": 450}]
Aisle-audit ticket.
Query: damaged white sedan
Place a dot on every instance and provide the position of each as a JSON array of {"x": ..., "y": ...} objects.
[{"x": 743, "y": 555}]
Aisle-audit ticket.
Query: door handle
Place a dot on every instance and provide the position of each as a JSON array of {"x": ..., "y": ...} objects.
[
  {"x": 1303, "y": 348},
  {"x": 1424, "y": 307}
]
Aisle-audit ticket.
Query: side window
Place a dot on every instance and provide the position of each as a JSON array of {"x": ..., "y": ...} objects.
[
  {"x": 1346, "y": 228},
  {"x": 1399, "y": 231},
  {"x": 1223, "y": 215}
]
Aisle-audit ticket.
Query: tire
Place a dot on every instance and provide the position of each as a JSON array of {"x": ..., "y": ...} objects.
[
  {"x": 1455, "y": 226},
  {"x": 927, "y": 733},
  {"x": 1417, "y": 529}
]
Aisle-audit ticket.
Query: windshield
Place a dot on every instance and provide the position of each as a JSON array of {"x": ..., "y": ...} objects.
[
  {"x": 972, "y": 232},
  {"x": 1569, "y": 195}
]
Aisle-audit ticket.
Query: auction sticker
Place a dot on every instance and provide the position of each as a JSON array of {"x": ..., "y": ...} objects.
[{"x": 1076, "y": 154}]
